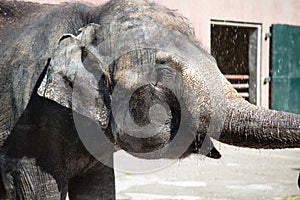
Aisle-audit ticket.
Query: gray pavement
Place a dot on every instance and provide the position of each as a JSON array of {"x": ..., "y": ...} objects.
[{"x": 241, "y": 173}]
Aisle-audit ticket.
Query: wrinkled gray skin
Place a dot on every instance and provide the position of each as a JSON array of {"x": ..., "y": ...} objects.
[{"x": 42, "y": 156}]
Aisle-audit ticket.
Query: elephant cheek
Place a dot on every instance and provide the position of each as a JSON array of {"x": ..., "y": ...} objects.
[
  {"x": 137, "y": 145},
  {"x": 147, "y": 124}
]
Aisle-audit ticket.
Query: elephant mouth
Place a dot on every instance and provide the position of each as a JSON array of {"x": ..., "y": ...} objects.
[
  {"x": 156, "y": 110},
  {"x": 165, "y": 129}
]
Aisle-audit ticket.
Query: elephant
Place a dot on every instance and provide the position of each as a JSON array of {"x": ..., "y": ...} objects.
[{"x": 79, "y": 82}]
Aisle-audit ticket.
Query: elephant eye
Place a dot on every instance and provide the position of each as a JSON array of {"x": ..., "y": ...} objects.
[{"x": 165, "y": 72}]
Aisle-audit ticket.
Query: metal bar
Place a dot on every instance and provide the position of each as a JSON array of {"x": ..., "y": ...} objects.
[
  {"x": 244, "y": 94},
  {"x": 241, "y": 86},
  {"x": 236, "y": 77}
]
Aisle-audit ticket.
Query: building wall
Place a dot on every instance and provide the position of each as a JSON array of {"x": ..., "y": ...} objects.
[
  {"x": 201, "y": 12},
  {"x": 266, "y": 12}
]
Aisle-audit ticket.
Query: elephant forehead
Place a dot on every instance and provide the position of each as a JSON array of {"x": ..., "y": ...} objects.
[
  {"x": 123, "y": 80},
  {"x": 125, "y": 61},
  {"x": 134, "y": 66}
]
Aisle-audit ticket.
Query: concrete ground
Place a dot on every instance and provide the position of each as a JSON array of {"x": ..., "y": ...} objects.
[{"x": 241, "y": 173}]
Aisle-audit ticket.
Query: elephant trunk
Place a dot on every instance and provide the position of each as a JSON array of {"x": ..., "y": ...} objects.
[{"x": 247, "y": 125}]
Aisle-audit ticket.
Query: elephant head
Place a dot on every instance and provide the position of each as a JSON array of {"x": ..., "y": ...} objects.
[{"x": 145, "y": 79}]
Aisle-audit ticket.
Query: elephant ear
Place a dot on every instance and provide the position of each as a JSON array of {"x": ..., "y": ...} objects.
[
  {"x": 28, "y": 36},
  {"x": 75, "y": 78}
]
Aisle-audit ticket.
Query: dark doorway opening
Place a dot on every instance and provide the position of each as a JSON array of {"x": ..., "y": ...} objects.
[{"x": 235, "y": 47}]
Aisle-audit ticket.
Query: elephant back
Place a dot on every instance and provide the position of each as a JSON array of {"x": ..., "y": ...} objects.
[{"x": 29, "y": 33}]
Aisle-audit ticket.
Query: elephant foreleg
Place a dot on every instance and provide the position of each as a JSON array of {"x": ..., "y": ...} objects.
[
  {"x": 3, "y": 194},
  {"x": 24, "y": 179},
  {"x": 96, "y": 183}
]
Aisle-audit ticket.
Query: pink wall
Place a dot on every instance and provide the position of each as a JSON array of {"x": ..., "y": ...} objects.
[
  {"x": 200, "y": 13},
  {"x": 266, "y": 12}
]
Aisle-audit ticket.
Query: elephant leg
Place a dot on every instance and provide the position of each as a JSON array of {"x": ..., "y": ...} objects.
[
  {"x": 24, "y": 179},
  {"x": 97, "y": 183},
  {"x": 3, "y": 194}
]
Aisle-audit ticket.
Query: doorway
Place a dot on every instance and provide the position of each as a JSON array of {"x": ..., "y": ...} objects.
[{"x": 236, "y": 48}]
